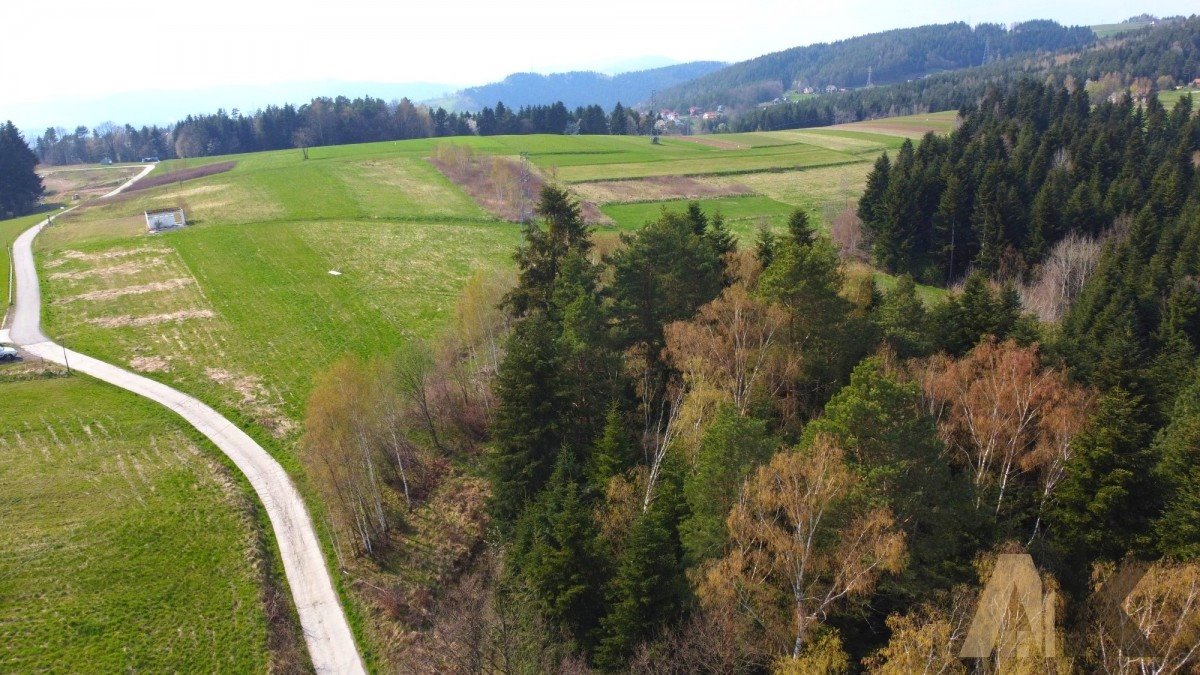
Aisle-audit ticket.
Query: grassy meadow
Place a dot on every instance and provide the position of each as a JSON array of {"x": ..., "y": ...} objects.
[
  {"x": 1171, "y": 97},
  {"x": 127, "y": 547},
  {"x": 742, "y": 214}
]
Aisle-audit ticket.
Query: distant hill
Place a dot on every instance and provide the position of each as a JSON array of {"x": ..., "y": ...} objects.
[
  {"x": 891, "y": 56},
  {"x": 575, "y": 89}
]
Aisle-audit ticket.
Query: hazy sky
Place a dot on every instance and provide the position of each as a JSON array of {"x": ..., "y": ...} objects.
[{"x": 71, "y": 49}]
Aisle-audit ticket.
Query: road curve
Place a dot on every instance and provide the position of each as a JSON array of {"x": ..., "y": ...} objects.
[{"x": 326, "y": 631}]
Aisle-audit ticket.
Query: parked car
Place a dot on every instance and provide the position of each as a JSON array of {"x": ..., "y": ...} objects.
[{"x": 8, "y": 354}]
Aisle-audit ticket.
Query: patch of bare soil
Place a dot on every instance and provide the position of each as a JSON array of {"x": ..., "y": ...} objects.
[
  {"x": 657, "y": 188},
  {"x": 68, "y": 256},
  {"x": 110, "y": 293},
  {"x": 506, "y": 188},
  {"x": 255, "y": 400},
  {"x": 154, "y": 180},
  {"x": 150, "y": 364},
  {"x": 127, "y": 320},
  {"x": 126, "y": 268}
]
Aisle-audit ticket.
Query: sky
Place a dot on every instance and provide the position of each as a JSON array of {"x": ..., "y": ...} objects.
[{"x": 70, "y": 50}]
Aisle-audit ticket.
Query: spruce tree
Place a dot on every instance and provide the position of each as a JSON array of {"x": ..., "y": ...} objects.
[
  {"x": 614, "y": 451},
  {"x": 871, "y": 207},
  {"x": 20, "y": 186},
  {"x": 541, "y": 254},
  {"x": 1178, "y": 446},
  {"x": 556, "y": 556},
  {"x": 800, "y": 229},
  {"x": 903, "y": 322},
  {"x": 648, "y": 588},
  {"x": 526, "y": 430},
  {"x": 1106, "y": 500}
]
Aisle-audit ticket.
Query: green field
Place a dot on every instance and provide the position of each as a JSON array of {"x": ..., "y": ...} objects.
[
  {"x": 1171, "y": 97},
  {"x": 1110, "y": 29},
  {"x": 742, "y": 214},
  {"x": 127, "y": 548},
  {"x": 243, "y": 315},
  {"x": 240, "y": 308}
]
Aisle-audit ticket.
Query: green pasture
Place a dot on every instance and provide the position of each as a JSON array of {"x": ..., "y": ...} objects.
[
  {"x": 127, "y": 548},
  {"x": 1171, "y": 97},
  {"x": 742, "y": 214}
]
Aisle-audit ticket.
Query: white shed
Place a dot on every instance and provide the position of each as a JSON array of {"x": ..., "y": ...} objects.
[{"x": 165, "y": 219}]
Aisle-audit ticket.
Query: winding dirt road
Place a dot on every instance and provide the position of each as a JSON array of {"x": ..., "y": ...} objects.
[{"x": 326, "y": 631}]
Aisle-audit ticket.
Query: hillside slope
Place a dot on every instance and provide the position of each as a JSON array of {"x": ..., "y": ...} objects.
[{"x": 892, "y": 56}]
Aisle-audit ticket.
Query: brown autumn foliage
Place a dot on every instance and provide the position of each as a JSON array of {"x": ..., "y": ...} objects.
[
  {"x": 927, "y": 639},
  {"x": 803, "y": 542},
  {"x": 1164, "y": 608},
  {"x": 734, "y": 343},
  {"x": 1003, "y": 416}
]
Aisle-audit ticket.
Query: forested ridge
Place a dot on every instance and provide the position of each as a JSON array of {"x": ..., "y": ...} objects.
[
  {"x": 1160, "y": 56},
  {"x": 1025, "y": 169},
  {"x": 326, "y": 121},
  {"x": 891, "y": 56}
]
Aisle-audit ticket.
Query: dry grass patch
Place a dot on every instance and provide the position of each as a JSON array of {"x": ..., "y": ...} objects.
[
  {"x": 150, "y": 364},
  {"x": 256, "y": 400},
  {"x": 405, "y": 186},
  {"x": 150, "y": 320},
  {"x": 110, "y": 293},
  {"x": 830, "y": 141},
  {"x": 824, "y": 191},
  {"x": 85, "y": 182},
  {"x": 658, "y": 188}
]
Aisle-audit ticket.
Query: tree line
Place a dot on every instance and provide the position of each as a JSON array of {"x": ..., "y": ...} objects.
[{"x": 325, "y": 121}]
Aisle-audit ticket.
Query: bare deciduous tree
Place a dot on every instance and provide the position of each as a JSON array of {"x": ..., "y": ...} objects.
[
  {"x": 848, "y": 233},
  {"x": 1061, "y": 277}
]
